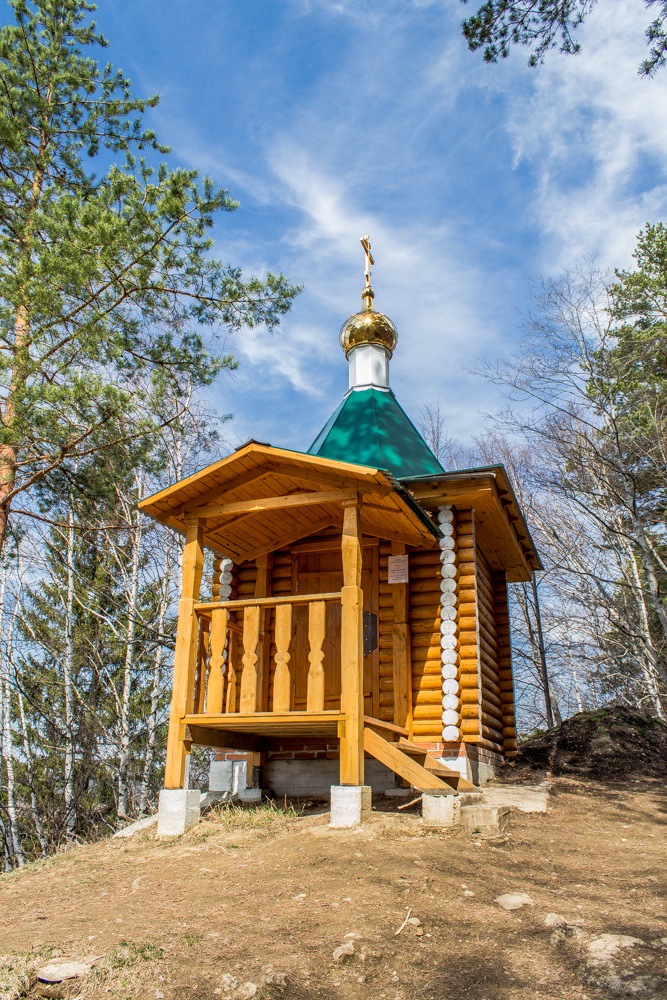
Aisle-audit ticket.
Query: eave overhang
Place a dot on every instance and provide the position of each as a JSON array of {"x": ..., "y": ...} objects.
[
  {"x": 260, "y": 499},
  {"x": 500, "y": 524}
]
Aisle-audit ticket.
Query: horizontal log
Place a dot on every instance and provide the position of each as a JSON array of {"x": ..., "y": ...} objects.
[
  {"x": 426, "y": 652},
  {"x": 428, "y": 731},
  {"x": 422, "y": 712},
  {"x": 430, "y": 615},
  {"x": 491, "y": 698},
  {"x": 427, "y": 599},
  {"x": 491, "y": 716},
  {"x": 464, "y": 541},
  {"x": 426, "y": 585},
  {"x": 488, "y": 682},
  {"x": 482, "y": 741},
  {"x": 425, "y": 634},
  {"x": 423, "y": 696},
  {"x": 430, "y": 682},
  {"x": 484, "y": 608},
  {"x": 465, "y": 597}
]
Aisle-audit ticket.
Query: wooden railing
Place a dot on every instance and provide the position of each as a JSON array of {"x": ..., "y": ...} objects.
[{"x": 233, "y": 654}]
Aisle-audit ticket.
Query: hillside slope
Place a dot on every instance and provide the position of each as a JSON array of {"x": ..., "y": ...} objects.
[{"x": 256, "y": 904}]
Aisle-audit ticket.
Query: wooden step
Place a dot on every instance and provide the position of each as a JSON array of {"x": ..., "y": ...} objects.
[
  {"x": 403, "y": 765},
  {"x": 448, "y": 774}
]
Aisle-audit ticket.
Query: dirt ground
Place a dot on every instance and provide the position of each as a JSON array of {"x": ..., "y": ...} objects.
[{"x": 254, "y": 902}]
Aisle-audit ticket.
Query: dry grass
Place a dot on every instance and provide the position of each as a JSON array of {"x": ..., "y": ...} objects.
[{"x": 257, "y": 891}]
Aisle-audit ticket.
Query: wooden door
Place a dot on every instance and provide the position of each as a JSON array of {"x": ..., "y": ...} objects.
[{"x": 320, "y": 571}]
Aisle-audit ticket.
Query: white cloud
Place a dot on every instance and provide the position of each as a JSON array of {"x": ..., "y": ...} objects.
[{"x": 596, "y": 134}]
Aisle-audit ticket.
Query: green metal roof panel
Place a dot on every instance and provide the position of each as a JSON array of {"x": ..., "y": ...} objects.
[{"x": 370, "y": 428}]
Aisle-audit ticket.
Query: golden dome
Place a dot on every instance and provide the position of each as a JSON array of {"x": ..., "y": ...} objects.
[{"x": 368, "y": 327}]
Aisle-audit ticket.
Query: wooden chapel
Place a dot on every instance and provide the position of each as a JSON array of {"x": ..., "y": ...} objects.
[{"x": 355, "y": 631}]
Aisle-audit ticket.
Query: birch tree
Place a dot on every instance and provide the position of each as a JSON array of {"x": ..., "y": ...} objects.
[{"x": 599, "y": 466}]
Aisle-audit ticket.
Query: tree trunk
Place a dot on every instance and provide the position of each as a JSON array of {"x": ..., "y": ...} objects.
[
  {"x": 155, "y": 692},
  {"x": 551, "y": 707},
  {"x": 12, "y": 834},
  {"x": 128, "y": 666},
  {"x": 68, "y": 684},
  {"x": 649, "y": 663},
  {"x": 34, "y": 806}
]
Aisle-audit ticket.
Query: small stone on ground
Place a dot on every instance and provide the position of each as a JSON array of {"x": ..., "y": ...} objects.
[{"x": 513, "y": 900}]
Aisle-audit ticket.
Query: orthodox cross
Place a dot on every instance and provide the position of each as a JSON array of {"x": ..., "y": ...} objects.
[{"x": 366, "y": 244}]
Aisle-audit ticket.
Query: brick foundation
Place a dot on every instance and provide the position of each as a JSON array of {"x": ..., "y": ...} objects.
[{"x": 308, "y": 767}]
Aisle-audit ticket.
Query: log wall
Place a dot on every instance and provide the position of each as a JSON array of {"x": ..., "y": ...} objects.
[
  {"x": 466, "y": 590},
  {"x": 425, "y": 645},
  {"x": 386, "y": 645},
  {"x": 505, "y": 681}
]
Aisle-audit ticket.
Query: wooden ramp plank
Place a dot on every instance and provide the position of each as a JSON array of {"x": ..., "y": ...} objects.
[{"x": 401, "y": 764}]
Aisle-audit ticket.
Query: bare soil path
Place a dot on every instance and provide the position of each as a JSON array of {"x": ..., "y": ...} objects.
[{"x": 259, "y": 900}]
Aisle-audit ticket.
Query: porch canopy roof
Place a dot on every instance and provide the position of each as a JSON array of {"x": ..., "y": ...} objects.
[{"x": 260, "y": 499}]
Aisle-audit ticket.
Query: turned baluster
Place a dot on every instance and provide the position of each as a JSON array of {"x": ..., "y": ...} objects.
[
  {"x": 230, "y": 697},
  {"x": 282, "y": 680},
  {"x": 248, "y": 702},
  {"x": 316, "y": 632},
  {"x": 216, "y": 673},
  {"x": 201, "y": 680}
]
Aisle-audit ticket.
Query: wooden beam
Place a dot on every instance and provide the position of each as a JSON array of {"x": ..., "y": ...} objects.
[
  {"x": 260, "y": 722},
  {"x": 224, "y": 739},
  {"x": 185, "y": 654},
  {"x": 408, "y": 537},
  {"x": 250, "y": 476},
  {"x": 351, "y": 649},
  {"x": 284, "y": 541},
  {"x": 264, "y": 602},
  {"x": 256, "y": 506}
]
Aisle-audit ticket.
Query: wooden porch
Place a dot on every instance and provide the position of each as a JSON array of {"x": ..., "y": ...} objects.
[{"x": 236, "y": 682}]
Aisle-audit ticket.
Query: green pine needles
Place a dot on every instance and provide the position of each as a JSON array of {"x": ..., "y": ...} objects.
[{"x": 108, "y": 286}]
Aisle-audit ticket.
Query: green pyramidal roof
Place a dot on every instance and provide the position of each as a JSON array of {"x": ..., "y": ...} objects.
[{"x": 370, "y": 428}]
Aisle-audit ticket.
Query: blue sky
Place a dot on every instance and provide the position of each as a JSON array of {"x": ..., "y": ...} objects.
[{"x": 329, "y": 119}]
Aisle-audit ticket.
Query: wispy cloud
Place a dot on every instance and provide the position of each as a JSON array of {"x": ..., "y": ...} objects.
[
  {"x": 334, "y": 118},
  {"x": 596, "y": 135}
]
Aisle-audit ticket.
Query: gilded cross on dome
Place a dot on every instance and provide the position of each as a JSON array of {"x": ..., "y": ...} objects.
[{"x": 366, "y": 244}]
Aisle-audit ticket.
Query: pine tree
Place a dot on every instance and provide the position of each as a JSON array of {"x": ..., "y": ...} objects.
[{"x": 106, "y": 275}]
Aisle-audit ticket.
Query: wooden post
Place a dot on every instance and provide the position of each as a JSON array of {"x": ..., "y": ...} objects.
[
  {"x": 352, "y": 649},
  {"x": 402, "y": 664},
  {"x": 185, "y": 655}
]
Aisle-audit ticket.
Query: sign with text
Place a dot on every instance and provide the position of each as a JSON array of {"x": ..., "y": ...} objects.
[{"x": 397, "y": 569}]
